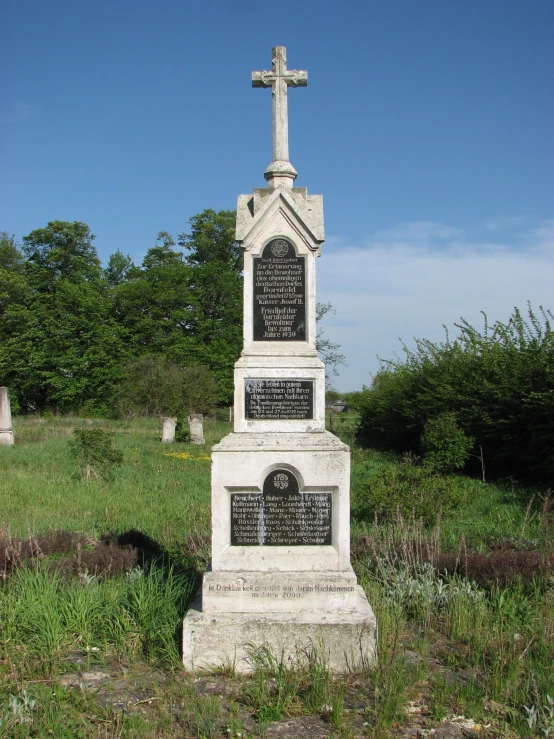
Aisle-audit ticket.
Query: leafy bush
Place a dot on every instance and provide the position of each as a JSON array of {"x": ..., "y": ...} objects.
[
  {"x": 93, "y": 450},
  {"x": 407, "y": 489},
  {"x": 151, "y": 388},
  {"x": 182, "y": 431},
  {"x": 445, "y": 446},
  {"x": 200, "y": 390},
  {"x": 354, "y": 399},
  {"x": 155, "y": 386},
  {"x": 498, "y": 383}
]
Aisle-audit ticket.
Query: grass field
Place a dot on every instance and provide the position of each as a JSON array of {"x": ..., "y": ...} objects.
[{"x": 89, "y": 619}]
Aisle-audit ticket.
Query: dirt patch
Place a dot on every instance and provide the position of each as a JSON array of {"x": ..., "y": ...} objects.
[
  {"x": 174, "y": 697},
  {"x": 71, "y": 554},
  {"x": 505, "y": 564}
]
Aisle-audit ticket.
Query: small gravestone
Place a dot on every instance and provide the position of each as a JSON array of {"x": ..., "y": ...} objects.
[
  {"x": 6, "y": 428},
  {"x": 280, "y": 573},
  {"x": 168, "y": 429},
  {"x": 196, "y": 431}
]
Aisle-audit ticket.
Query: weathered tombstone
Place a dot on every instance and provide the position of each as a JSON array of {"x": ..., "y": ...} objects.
[
  {"x": 168, "y": 429},
  {"x": 6, "y": 428},
  {"x": 195, "y": 421},
  {"x": 280, "y": 572}
]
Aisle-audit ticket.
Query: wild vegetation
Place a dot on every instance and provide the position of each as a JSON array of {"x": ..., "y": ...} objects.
[
  {"x": 97, "y": 571},
  {"x": 484, "y": 399}
]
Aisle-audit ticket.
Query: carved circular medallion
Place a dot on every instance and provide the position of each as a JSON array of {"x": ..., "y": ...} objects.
[{"x": 279, "y": 248}]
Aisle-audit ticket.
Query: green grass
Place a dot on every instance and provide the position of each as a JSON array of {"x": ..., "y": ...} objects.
[
  {"x": 501, "y": 640},
  {"x": 165, "y": 496},
  {"x": 488, "y": 512}
]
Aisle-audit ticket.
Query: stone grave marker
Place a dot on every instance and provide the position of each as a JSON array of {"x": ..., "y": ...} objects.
[
  {"x": 168, "y": 429},
  {"x": 280, "y": 572},
  {"x": 6, "y": 428},
  {"x": 195, "y": 421}
]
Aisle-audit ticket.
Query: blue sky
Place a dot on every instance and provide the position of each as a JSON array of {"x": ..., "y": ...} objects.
[{"x": 427, "y": 126}]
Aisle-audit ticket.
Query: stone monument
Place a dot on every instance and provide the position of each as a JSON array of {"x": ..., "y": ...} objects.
[
  {"x": 6, "y": 428},
  {"x": 280, "y": 572},
  {"x": 168, "y": 429},
  {"x": 195, "y": 421}
]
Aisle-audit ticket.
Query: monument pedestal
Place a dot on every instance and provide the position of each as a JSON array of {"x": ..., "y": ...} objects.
[
  {"x": 347, "y": 641},
  {"x": 280, "y": 572}
]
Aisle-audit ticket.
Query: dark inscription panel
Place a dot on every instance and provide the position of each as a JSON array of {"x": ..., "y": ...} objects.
[
  {"x": 281, "y": 515},
  {"x": 279, "y": 293},
  {"x": 279, "y": 399}
]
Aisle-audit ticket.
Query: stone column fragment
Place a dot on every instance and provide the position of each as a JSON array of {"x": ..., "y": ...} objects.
[{"x": 6, "y": 428}]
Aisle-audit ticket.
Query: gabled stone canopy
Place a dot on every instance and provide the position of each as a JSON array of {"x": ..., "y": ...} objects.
[{"x": 304, "y": 212}]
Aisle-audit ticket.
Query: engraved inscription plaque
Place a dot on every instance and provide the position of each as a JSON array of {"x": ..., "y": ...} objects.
[
  {"x": 279, "y": 399},
  {"x": 279, "y": 293},
  {"x": 281, "y": 515}
]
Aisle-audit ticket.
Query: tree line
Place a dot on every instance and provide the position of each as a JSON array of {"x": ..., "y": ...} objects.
[
  {"x": 75, "y": 336},
  {"x": 157, "y": 338}
]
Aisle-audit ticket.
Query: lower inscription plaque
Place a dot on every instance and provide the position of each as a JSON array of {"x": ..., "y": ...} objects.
[
  {"x": 279, "y": 399},
  {"x": 281, "y": 515}
]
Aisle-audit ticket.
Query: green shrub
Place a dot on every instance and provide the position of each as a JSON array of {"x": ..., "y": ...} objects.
[
  {"x": 182, "y": 431},
  {"x": 156, "y": 386},
  {"x": 200, "y": 389},
  {"x": 445, "y": 446},
  {"x": 499, "y": 384},
  {"x": 408, "y": 489},
  {"x": 152, "y": 387},
  {"x": 93, "y": 450}
]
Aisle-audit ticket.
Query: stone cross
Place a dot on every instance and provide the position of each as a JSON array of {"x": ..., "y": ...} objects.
[{"x": 280, "y": 79}]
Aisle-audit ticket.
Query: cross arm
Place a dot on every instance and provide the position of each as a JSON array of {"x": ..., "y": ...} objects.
[
  {"x": 293, "y": 78},
  {"x": 262, "y": 79},
  {"x": 297, "y": 78}
]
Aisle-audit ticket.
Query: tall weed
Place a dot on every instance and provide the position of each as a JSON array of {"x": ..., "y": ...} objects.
[{"x": 44, "y": 616}]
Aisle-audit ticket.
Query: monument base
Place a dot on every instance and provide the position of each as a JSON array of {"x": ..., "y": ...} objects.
[{"x": 347, "y": 641}]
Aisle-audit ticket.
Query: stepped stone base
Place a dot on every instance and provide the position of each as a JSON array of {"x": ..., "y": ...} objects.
[{"x": 348, "y": 641}]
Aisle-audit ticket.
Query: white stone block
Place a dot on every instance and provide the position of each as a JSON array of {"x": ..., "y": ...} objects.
[
  {"x": 279, "y": 592},
  {"x": 168, "y": 429},
  {"x": 347, "y": 641},
  {"x": 195, "y": 421},
  {"x": 6, "y": 428},
  {"x": 321, "y": 464}
]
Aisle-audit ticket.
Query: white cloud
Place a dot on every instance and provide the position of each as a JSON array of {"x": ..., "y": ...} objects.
[{"x": 394, "y": 288}]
